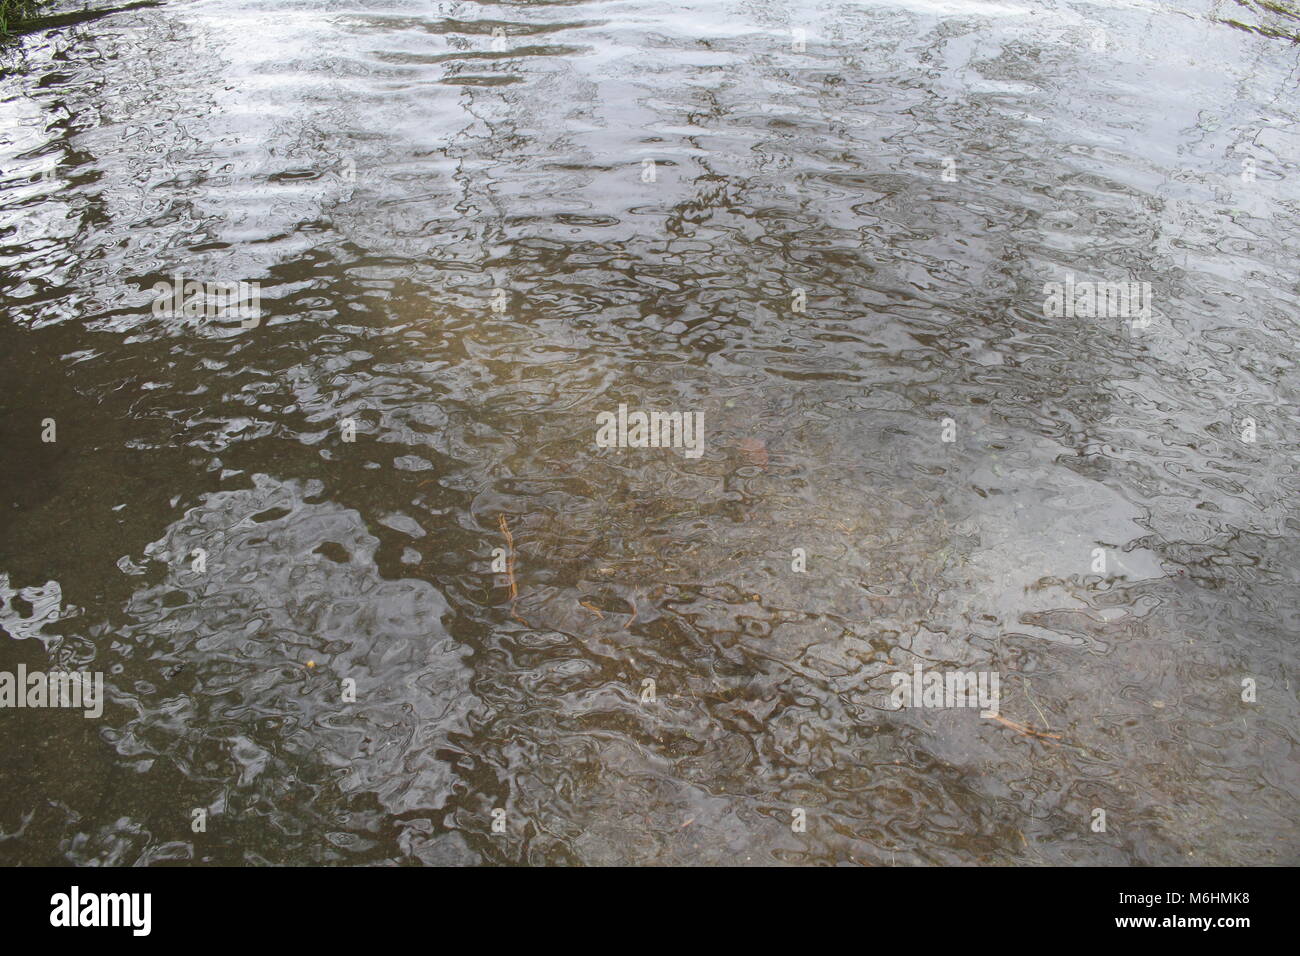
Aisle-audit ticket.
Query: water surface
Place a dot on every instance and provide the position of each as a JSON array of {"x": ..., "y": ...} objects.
[{"x": 801, "y": 271}]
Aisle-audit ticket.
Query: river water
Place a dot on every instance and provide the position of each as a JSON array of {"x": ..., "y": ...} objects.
[{"x": 827, "y": 228}]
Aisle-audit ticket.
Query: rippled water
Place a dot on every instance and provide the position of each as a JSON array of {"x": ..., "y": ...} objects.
[{"x": 826, "y": 242}]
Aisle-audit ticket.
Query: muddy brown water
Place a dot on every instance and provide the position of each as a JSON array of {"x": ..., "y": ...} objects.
[{"x": 853, "y": 213}]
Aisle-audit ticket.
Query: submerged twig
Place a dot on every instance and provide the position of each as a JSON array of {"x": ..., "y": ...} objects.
[
  {"x": 1021, "y": 728},
  {"x": 510, "y": 566},
  {"x": 1046, "y": 722}
]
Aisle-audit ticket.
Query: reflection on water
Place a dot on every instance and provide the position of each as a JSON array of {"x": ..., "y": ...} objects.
[{"x": 825, "y": 227}]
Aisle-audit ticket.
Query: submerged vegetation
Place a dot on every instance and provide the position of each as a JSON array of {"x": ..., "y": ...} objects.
[{"x": 13, "y": 12}]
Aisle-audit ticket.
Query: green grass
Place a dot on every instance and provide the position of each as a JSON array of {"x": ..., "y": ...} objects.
[{"x": 13, "y": 12}]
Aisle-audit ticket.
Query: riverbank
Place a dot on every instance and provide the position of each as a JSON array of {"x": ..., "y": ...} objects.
[{"x": 14, "y": 12}]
